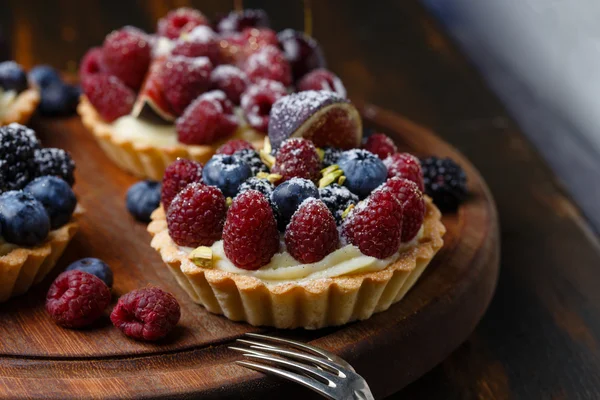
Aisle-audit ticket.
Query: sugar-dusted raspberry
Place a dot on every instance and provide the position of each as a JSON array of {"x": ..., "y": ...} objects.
[
  {"x": 146, "y": 314},
  {"x": 126, "y": 54},
  {"x": 413, "y": 205},
  {"x": 232, "y": 45},
  {"x": 231, "y": 80},
  {"x": 179, "y": 21},
  {"x": 257, "y": 101},
  {"x": 234, "y": 145},
  {"x": 196, "y": 215},
  {"x": 404, "y": 165},
  {"x": 209, "y": 118},
  {"x": 322, "y": 79},
  {"x": 177, "y": 176},
  {"x": 250, "y": 236},
  {"x": 184, "y": 79},
  {"x": 297, "y": 158},
  {"x": 268, "y": 63},
  {"x": 381, "y": 145},
  {"x": 312, "y": 233},
  {"x": 18, "y": 145},
  {"x": 257, "y": 38},
  {"x": 200, "y": 42},
  {"x": 375, "y": 225},
  {"x": 110, "y": 97},
  {"x": 77, "y": 299},
  {"x": 91, "y": 63}
]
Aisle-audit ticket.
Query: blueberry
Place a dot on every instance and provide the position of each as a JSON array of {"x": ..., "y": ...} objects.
[
  {"x": 24, "y": 220},
  {"x": 364, "y": 171},
  {"x": 57, "y": 197},
  {"x": 288, "y": 196},
  {"x": 59, "y": 99},
  {"x": 94, "y": 266},
  {"x": 13, "y": 77},
  {"x": 227, "y": 173},
  {"x": 143, "y": 198},
  {"x": 43, "y": 76}
]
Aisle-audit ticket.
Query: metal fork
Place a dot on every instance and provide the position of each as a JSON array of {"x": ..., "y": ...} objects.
[{"x": 317, "y": 369}]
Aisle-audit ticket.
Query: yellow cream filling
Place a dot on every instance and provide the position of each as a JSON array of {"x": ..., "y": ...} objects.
[{"x": 7, "y": 98}]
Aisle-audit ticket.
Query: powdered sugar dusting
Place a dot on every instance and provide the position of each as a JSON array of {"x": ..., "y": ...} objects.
[
  {"x": 226, "y": 71},
  {"x": 201, "y": 34}
]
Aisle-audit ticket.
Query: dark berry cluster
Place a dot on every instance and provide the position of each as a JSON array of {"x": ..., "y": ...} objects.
[{"x": 445, "y": 182}]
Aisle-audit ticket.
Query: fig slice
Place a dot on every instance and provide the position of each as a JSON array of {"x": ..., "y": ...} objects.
[
  {"x": 324, "y": 117},
  {"x": 151, "y": 104}
]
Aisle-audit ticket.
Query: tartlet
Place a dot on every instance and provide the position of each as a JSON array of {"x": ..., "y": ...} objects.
[{"x": 21, "y": 108}]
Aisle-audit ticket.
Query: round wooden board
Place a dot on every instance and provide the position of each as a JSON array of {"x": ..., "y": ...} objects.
[{"x": 391, "y": 349}]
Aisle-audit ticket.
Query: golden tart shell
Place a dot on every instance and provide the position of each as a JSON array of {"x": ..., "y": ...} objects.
[{"x": 22, "y": 109}]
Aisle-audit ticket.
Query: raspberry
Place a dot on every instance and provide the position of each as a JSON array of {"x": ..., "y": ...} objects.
[
  {"x": 375, "y": 225},
  {"x": 251, "y": 157},
  {"x": 109, "y": 96},
  {"x": 17, "y": 149},
  {"x": 380, "y": 145},
  {"x": 177, "y": 176},
  {"x": 250, "y": 236},
  {"x": 91, "y": 63},
  {"x": 257, "y": 38},
  {"x": 146, "y": 314},
  {"x": 234, "y": 145},
  {"x": 312, "y": 233},
  {"x": 404, "y": 165},
  {"x": 231, "y": 80},
  {"x": 179, "y": 21},
  {"x": 297, "y": 158},
  {"x": 196, "y": 215},
  {"x": 209, "y": 118},
  {"x": 331, "y": 156},
  {"x": 184, "y": 79},
  {"x": 268, "y": 63},
  {"x": 413, "y": 205},
  {"x": 56, "y": 162},
  {"x": 200, "y": 42},
  {"x": 337, "y": 198},
  {"x": 445, "y": 181},
  {"x": 126, "y": 54},
  {"x": 257, "y": 101},
  {"x": 322, "y": 79},
  {"x": 77, "y": 299}
]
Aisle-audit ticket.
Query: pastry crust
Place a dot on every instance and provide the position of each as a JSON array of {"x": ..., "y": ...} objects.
[
  {"x": 25, "y": 266},
  {"x": 141, "y": 159},
  {"x": 309, "y": 304},
  {"x": 22, "y": 109}
]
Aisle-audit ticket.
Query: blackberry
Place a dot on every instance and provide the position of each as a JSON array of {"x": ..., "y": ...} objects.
[
  {"x": 445, "y": 182},
  {"x": 55, "y": 162},
  {"x": 337, "y": 198},
  {"x": 17, "y": 147},
  {"x": 331, "y": 156},
  {"x": 261, "y": 185},
  {"x": 251, "y": 157}
]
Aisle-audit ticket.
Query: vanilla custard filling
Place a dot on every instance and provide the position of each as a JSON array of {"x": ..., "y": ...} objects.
[{"x": 7, "y": 98}]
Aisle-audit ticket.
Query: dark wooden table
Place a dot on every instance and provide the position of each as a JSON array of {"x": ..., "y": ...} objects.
[{"x": 540, "y": 338}]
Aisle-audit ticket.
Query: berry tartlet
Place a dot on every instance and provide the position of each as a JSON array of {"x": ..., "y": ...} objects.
[
  {"x": 18, "y": 99},
  {"x": 313, "y": 230},
  {"x": 190, "y": 87},
  {"x": 38, "y": 209}
]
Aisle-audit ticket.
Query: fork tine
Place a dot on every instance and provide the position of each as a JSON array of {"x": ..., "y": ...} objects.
[
  {"x": 314, "y": 372},
  {"x": 302, "y": 380}
]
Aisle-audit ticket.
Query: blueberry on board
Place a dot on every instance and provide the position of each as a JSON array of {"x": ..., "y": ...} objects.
[
  {"x": 94, "y": 266},
  {"x": 57, "y": 197},
  {"x": 226, "y": 172},
  {"x": 364, "y": 171},
  {"x": 59, "y": 99},
  {"x": 24, "y": 220},
  {"x": 288, "y": 196},
  {"x": 143, "y": 198},
  {"x": 44, "y": 75},
  {"x": 13, "y": 77}
]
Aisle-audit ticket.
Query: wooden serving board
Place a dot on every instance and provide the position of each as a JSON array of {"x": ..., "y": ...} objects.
[{"x": 41, "y": 360}]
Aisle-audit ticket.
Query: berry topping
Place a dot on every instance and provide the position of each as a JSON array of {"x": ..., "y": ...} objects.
[
  {"x": 337, "y": 198},
  {"x": 302, "y": 51},
  {"x": 44, "y": 75},
  {"x": 226, "y": 172},
  {"x": 126, "y": 55},
  {"x": 324, "y": 117},
  {"x": 184, "y": 79},
  {"x": 251, "y": 157},
  {"x": 381, "y": 145},
  {"x": 146, "y": 314},
  {"x": 142, "y": 199},
  {"x": 231, "y": 80},
  {"x": 12, "y": 77},
  {"x": 312, "y": 233},
  {"x": 236, "y": 21},
  {"x": 234, "y": 145},
  {"x": 95, "y": 267},
  {"x": 56, "y": 196},
  {"x": 200, "y": 42},
  {"x": 404, "y": 165},
  {"x": 288, "y": 196},
  {"x": 330, "y": 156},
  {"x": 256, "y": 39},
  {"x": 56, "y": 162},
  {"x": 363, "y": 170},
  {"x": 257, "y": 101},
  {"x": 177, "y": 176},
  {"x": 297, "y": 158},
  {"x": 260, "y": 185},
  {"x": 152, "y": 103},
  {"x": 250, "y": 236},
  {"x": 109, "y": 96},
  {"x": 268, "y": 63},
  {"x": 375, "y": 225},
  {"x": 17, "y": 148},
  {"x": 91, "y": 64},
  {"x": 180, "y": 21},
  {"x": 196, "y": 215},
  {"x": 445, "y": 181},
  {"x": 322, "y": 79},
  {"x": 76, "y": 299},
  {"x": 209, "y": 118},
  {"x": 59, "y": 99},
  {"x": 413, "y": 205},
  {"x": 232, "y": 48},
  {"x": 23, "y": 219}
]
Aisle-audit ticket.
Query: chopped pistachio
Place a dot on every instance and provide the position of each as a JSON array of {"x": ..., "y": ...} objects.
[
  {"x": 321, "y": 154},
  {"x": 228, "y": 201},
  {"x": 329, "y": 169},
  {"x": 341, "y": 180},
  {"x": 330, "y": 178},
  {"x": 267, "y": 158},
  {"x": 347, "y": 211},
  {"x": 274, "y": 178},
  {"x": 202, "y": 256},
  {"x": 267, "y": 145}
]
